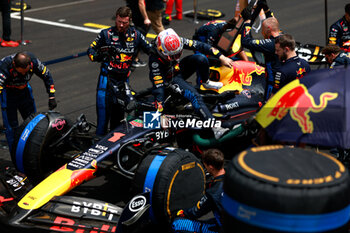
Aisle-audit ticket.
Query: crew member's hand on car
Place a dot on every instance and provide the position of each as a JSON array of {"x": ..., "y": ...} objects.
[{"x": 225, "y": 61}]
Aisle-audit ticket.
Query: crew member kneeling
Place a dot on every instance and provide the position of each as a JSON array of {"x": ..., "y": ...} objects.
[{"x": 213, "y": 161}]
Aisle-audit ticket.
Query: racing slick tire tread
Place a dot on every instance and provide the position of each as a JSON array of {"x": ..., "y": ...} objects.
[
  {"x": 33, "y": 148},
  {"x": 274, "y": 180},
  {"x": 172, "y": 188}
]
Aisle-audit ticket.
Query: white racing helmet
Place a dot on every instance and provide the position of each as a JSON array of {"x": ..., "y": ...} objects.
[{"x": 169, "y": 44}]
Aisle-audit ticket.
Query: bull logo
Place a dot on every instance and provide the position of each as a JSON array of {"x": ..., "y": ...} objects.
[{"x": 300, "y": 103}]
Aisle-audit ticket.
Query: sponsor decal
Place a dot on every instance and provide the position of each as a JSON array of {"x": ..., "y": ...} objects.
[
  {"x": 121, "y": 65},
  {"x": 137, "y": 203},
  {"x": 345, "y": 28},
  {"x": 81, "y": 175},
  {"x": 116, "y": 136},
  {"x": 246, "y": 93},
  {"x": 137, "y": 123},
  {"x": 245, "y": 214},
  {"x": 155, "y": 65},
  {"x": 95, "y": 209},
  {"x": 158, "y": 77},
  {"x": 16, "y": 182},
  {"x": 25, "y": 134},
  {"x": 231, "y": 106},
  {"x": 300, "y": 72},
  {"x": 3, "y": 199},
  {"x": 125, "y": 58},
  {"x": 63, "y": 225},
  {"x": 52, "y": 89},
  {"x": 162, "y": 134},
  {"x": 246, "y": 73},
  {"x": 87, "y": 157},
  {"x": 59, "y": 124},
  {"x": 247, "y": 30}
]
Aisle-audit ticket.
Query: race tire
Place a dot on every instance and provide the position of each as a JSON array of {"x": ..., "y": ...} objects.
[
  {"x": 274, "y": 189},
  {"x": 28, "y": 150},
  {"x": 31, "y": 164},
  {"x": 171, "y": 188}
]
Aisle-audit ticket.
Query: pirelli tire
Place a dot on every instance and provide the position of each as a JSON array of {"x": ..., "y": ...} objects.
[
  {"x": 175, "y": 179},
  {"x": 30, "y": 153},
  {"x": 281, "y": 189}
]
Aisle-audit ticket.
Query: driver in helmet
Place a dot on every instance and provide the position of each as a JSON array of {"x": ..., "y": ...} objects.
[{"x": 167, "y": 68}]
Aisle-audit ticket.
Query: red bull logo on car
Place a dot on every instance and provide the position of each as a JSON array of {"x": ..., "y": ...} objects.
[
  {"x": 58, "y": 183},
  {"x": 81, "y": 175},
  {"x": 296, "y": 100},
  {"x": 243, "y": 72}
]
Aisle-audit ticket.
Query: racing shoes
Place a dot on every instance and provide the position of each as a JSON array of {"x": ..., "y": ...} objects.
[
  {"x": 138, "y": 63},
  {"x": 9, "y": 43},
  {"x": 178, "y": 17},
  {"x": 212, "y": 85},
  {"x": 166, "y": 19},
  {"x": 219, "y": 132}
]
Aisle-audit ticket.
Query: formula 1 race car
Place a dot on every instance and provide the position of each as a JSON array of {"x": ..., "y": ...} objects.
[
  {"x": 159, "y": 182},
  {"x": 46, "y": 141},
  {"x": 58, "y": 155},
  {"x": 156, "y": 173}
]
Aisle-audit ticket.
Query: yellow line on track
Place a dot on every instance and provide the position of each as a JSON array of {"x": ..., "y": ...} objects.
[
  {"x": 101, "y": 26},
  {"x": 96, "y": 25},
  {"x": 149, "y": 35}
]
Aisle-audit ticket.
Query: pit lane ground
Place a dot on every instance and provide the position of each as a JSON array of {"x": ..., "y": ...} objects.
[{"x": 57, "y": 28}]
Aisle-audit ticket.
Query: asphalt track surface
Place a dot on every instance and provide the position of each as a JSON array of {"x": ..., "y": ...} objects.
[{"x": 56, "y": 29}]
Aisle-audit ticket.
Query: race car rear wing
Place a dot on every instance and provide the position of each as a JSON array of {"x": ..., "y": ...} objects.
[{"x": 310, "y": 52}]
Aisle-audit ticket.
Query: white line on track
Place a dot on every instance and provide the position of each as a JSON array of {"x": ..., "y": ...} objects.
[
  {"x": 17, "y": 15},
  {"x": 58, "y": 5},
  {"x": 63, "y": 25}
]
